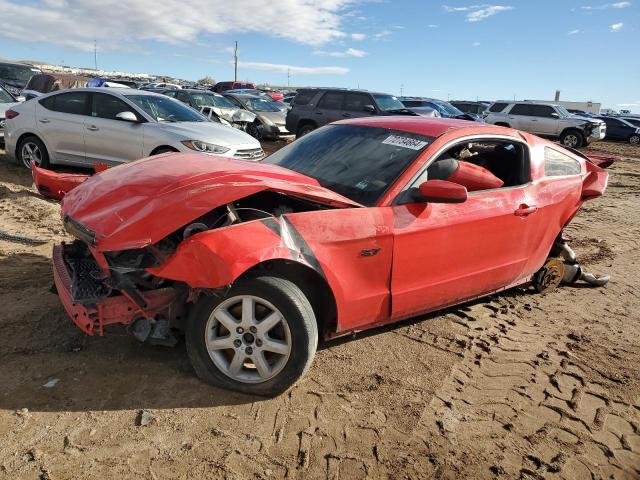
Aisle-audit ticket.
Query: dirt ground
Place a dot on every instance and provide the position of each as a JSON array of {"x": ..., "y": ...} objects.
[{"x": 517, "y": 385}]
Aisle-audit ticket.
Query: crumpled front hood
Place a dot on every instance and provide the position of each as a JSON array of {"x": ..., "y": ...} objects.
[
  {"x": 139, "y": 203},
  {"x": 278, "y": 118},
  {"x": 211, "y": 132}
]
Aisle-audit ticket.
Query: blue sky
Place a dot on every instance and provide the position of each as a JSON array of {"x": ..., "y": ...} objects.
[{"x": 457, "y": 49}]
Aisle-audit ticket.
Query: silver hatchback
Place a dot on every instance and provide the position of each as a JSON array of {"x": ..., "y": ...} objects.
[{"x": 86, "y": 126}]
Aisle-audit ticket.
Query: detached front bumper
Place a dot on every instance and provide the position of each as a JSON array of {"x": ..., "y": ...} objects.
[{"x": 111, "y": 308}]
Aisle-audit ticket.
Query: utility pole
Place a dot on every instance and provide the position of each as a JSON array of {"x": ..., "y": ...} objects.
[
  {"x": 288, "y": 77},
  {"x": 95, "y": 54},
  {"x": 235, "y": 63},
  {"x": 401, "y": 89}
]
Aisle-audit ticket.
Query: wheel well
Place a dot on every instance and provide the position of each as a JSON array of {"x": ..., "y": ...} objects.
[
  {"x": 162, "y": 147},
  {"x": 502, "y": 124},
  {"x": 22, "y": 137},
  {"x": 312, "y": 284},
  {"x": 305, "y": 122},
  {"x": 572, "y": 129}
]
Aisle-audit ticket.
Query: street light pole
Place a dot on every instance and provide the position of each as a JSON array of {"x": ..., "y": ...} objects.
[{"x": 235, "y": 63}]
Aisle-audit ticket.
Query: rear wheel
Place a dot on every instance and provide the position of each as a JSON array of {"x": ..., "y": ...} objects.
[
  {"x": 304, "y": 129},
  {"x": 572, "y": 139},
  {"x": 33, "y": 149},
  {"x": 634, "y": 140},
  {"x": 260, "y": 338}
]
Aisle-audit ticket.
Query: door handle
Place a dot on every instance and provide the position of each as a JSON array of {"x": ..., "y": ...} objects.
[
  {"x": 318, "y": 113},
  {"x": 524, "y": 210},
  {"x": 534, "y": 119},
  {"x": 44, "y": 120},
  {"x": 93, "y": 128}
]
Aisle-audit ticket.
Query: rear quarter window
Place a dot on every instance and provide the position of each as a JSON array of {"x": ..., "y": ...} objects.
[
  {"x": 303, "y": 98},
  {"x": 557, "y": 164},
  {"x": 497, "y": 107}
]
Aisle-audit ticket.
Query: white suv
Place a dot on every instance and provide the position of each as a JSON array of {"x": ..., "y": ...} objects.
[{"x": 547, "y": 120}]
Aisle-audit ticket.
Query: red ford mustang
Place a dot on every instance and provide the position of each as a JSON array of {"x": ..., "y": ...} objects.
[{"x": 358, "y": 224}]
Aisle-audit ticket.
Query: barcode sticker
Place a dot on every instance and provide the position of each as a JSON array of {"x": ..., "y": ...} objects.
[{"x": 405, "y": 142}]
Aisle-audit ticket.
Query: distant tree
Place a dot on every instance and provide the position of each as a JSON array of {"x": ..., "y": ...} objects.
[{"x": 206, "y": 81}]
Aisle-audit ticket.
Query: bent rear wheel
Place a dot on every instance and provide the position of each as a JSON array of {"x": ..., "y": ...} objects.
[
  {"x": 260, "y": 338},
  {"x": 32, "y": 149}
]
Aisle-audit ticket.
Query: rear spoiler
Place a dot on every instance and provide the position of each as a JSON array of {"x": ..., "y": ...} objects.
[
  {"x": 600, "y": 159},
  {"x": 56, "y": 185}
]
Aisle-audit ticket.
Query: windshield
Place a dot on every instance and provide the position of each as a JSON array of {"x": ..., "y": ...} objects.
[
  {"x": 211, "y": 100},
  {"x": 260, "y": 104},
  {"x": 5, "y": 97},
  {"x": 357, "y": 162},
  {"x": 388, "y": 102},
  {"x": 562, "y": 111},
  {"x": 165, "y": 109},
  {"x": 446, "y": 109},
  {"x": 17, "y": 75}
]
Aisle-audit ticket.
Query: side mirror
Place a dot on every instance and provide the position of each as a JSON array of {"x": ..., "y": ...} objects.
[
  {"x": 127, "y": 117},
  {"x": 21, "y": 98},
  {"x": 369, "y": 108},
  {"x": 441, "y": 191},
  {"x": 555, "y": 115}
]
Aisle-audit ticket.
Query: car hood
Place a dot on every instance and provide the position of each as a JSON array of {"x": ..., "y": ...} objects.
[
  {"x": 275, "y": 117},
  {"x": 139, "y": 203},
  {"x": 6, "y": 106},
  {"x": 210, "y": 132}
]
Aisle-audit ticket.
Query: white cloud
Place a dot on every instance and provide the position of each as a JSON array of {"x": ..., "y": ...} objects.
[
  {"x": 477, "y": 13},
  {"x": 349, "y": 52},
  {"x": 616, "y": 27},
  {"x": 383, "y": 34},
  {"x": 283, "y": 68},
  {"x": 607, "y": 5},
  {"x": 573, "y": 32},
  {"x": 433, "y": 26},
  {"x": 118, "y": 25},
  {"x": 358, "y": 37}
]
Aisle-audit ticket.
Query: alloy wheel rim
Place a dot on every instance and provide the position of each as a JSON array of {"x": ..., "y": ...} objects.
[
  {"x": 570, "y": 140},
  {"x": 635, "y": 140},
  {"x": 248, "y": 339},
  {"x": 31, "y": 151}
]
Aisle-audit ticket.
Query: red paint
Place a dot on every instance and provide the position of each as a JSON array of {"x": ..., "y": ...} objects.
[{"x": 382, "y": 263}]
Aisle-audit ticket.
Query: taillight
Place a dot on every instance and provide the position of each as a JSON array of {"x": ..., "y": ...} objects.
[{"x": 9, "y": 114}]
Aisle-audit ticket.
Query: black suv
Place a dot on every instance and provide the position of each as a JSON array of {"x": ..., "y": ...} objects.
[{"x": 314, "y": 107}]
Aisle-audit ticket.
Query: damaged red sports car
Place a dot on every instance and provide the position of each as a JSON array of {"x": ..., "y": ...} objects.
[{"x": 358, "y": 224}]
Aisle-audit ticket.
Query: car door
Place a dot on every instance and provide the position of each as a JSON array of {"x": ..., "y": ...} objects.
[
  {"x": 615, "y": 129},
  {"x": 354, "y": 104},
  {"x": 60, "y": 122},
  {"x": 107, "y": 139},
  {"x": 519, "y": 117},
  {"x": 544, "y": 120},
  {"x": 329, "y": 108},
  {"x": 445, "y": 253}
]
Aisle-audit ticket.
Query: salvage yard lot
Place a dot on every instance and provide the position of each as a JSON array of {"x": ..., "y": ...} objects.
[{"x": 514, "y": 385}]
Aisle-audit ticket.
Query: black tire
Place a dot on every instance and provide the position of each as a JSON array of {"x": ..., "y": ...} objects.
[
  {"x": 304, "y": 129},
  {"x": 572, "y": 138},
  {"x": 634, "y": 139},
  {"x": 298, "y": 315},
  {"x": 32, "y": 141},
  {"x": 254, "y": 130},
  {"x": 162, "y": 150},
  {"x": 502, "y": 124}
]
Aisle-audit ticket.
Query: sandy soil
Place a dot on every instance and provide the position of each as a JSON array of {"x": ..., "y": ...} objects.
[{"x": 517, "y": 385}]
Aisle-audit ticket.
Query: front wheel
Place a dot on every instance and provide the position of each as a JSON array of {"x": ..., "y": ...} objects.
[
  {"x": 260, "y": 338},
  {"x": 305, "y": 129},
  {"x": 572, "y": 139},
  {"x": 634, "y": 140}
]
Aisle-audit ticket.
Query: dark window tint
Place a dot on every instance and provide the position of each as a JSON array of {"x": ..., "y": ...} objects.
[
  {"x": 182, "y": 96},
  {"x": 355, "y": 102},
  {"x": 412, "y": 103},
  {"x": 331, "y": 101},
  {"x": 497, "y": 107},
  {"x": 303, "y": 98},
  {"x": 633, "y": 121},
  {"x": 611, "y": 122},
  {"x": 520, "y": 109},
  {"x": 171, "y": 93},
  {"x": 72, "y": 102},
  {"x": 357, "y": 162},
  {"x": 107, "y": 106},
  {"x": 557, "y": 164},
  {"x": 542, "y": 111},
  {"x": 49, "y": 102}
]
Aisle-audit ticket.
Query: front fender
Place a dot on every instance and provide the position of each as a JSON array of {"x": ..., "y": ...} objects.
[{"x": 216, "y": 258}]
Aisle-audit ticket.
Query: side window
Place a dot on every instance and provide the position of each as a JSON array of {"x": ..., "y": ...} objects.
[
  {"x": 171, "y": 93},
  {"x": 107, "y": 106},
  {"x": 355, "y": 102},
  {"x": 49, "y": 102},
  {"x": 182, "y": 96},
  {"x": 72, "y": 102},
  {"x": 411, "y": 103},
  {"x": 331, "y": 101},
  {"x": 497, "y": 107},
  {"x": 520, "y": 109},
  {"x": 303, "y": 98},
  {"x": 558, "y": 164},
  {"x": 542, "y": 111}
]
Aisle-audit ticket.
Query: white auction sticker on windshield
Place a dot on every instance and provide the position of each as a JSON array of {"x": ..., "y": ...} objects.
[{"x": 405, "y": 142}]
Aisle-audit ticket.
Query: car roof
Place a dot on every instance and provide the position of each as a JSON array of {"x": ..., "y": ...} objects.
[
  {"x": 344, "y": 90},
  {"x": 430, "y": 127}
]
